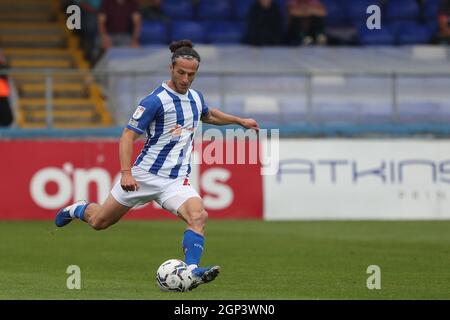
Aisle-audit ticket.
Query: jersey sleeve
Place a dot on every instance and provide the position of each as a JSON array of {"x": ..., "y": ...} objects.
[
  {"x": 144, "y": 114},
  {"x": 205, "y": 109}
]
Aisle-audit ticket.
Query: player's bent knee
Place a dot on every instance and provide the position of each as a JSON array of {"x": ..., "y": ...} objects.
[
  {"x": 198, "y": 218},
  {"x": 100, "y": 224}
]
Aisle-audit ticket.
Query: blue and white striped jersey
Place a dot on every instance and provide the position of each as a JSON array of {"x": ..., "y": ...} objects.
[{"x": 170, "y": 120}]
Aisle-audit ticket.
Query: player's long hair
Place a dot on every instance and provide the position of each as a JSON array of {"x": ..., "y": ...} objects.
[{"x": 183, "y": 49}]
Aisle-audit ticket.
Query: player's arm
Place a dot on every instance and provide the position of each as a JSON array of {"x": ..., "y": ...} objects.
[
  {"x": 443, "y": 25},
  {"x": 137, "y": 24},
  {"x": 126, "y": 143},
  {"x": 104, "y": 36},
  {"x": 219, "y": 118}
]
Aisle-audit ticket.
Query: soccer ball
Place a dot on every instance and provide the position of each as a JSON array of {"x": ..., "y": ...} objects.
[{"x": 174, "y": 275}]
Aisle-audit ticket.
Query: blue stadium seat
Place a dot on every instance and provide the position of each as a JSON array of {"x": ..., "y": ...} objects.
[
  {"x": 413, "y": 33},
  {"x": 293, "y": 111},
  {"x": 432, "y": 26},
  {"x": 214, "y": 9},
  {"x": 240, "y": 8},
  {"x": 234, "y": 106},
  {"x": 222, "y": 32},
  {"x": 443, "y": 114},
  {"x": 376, "y": 113},
  {"x": 188, "y": 30},
  {"x": 178, "y": 9},
  {"x": 383, "y": 36},
  {"x": 410, "y": 32},
  {"x": 402, "y": 9},
  {"x": 418, "y": 112},
  {"x": 153, "y": 32},
  {"x": 264, "y": 109},
  {"x": 337, "y": 112},
  {"x": 431, "y": 9},
  {"x": 357, "y": 9},
  {"x": 335, "y": 12}
]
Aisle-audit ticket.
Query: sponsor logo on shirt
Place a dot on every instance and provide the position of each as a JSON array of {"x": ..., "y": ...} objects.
[{"x": 138, "y": 113}]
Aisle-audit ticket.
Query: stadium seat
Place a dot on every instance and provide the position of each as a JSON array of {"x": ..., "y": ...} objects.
[
  {"x": 402, "y": 9},
  {"x": 432, "y": 25},
  {"x": 443, "y": 113},
  {"x": 418, "y": 112},
  {"x": 431, "y": 9},
  {"x": 337, "y": 112},
  {"x": 188, "y": 30},
  {"x": 223, "y": 32},
  {"x": 374, "y": 112},
  {"x": 335, "y": 12},
  {"x": 357, "y": 9},
  {"x": 384, "y": 36},
  {"x": 264, "y": 109},
  {"x": 293, "y": 110},
  {"x": 214, "y": 9},
  {"x": 153, "y": 32},
  {"x": 178, "y": 9},
  {"x": 240, "y": 8},
  {"x": 413, "y": 33}
]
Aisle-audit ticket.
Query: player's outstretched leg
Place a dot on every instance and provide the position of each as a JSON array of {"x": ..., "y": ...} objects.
[
  {"x": 99, "y": 217},
  {"x": 193, "y": 212}
]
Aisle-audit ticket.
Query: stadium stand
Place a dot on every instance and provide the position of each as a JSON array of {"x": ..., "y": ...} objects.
[
  {"x": 310, "y": 85},
  {"x": 299, "y": 85},
  {"x": 35, "y": 39},
  {"x": 404, "y": 21}
]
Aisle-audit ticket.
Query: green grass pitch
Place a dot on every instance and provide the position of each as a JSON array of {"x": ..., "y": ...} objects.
[{"x": 260, "y": 260}]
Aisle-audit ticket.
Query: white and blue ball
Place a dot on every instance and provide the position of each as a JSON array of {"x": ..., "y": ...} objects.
[{"x": 174, "y": 275}]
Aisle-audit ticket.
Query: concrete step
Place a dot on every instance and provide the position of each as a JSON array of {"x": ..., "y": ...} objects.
[
  {"x": 35, "y": 52},
  {"x": 60, "y": 90},
  {"x": 63, "y": 125},
  {"x": 14, "y": 28},
  {"x": 27, "y": 16},
  {"x": 33, "y": 41},
  {"x": 41, "y": 64},
  {"x": 62, "y": 103},
  {"x": 86, "y": 115},
  {"x": 42, "y": 54},
  {"x": 93, "y": 120},
  {"x": 24, "y": 6},
  {"x": 29, "y": 78},
  {"x": 31, "y": 108},
  {"x": 73, "y": 113}
]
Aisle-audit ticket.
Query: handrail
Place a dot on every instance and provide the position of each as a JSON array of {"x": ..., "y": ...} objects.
[
  {"x": 392, "y": 77},
  {"x": 305, "y": 73}
]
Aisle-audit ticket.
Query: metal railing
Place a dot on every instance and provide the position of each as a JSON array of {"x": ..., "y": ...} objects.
[{"x": 133, "y": 82}]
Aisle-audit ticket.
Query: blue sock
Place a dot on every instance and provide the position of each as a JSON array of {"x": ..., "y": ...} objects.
[
  {"x": 193, "y": 244},
  {"x": 79, "y": 211}
]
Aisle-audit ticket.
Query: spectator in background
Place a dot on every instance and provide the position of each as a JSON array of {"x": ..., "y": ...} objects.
[
  {"x": 119, "y": 23},
  {"x": 444, "y": 22},
  {"x": 264, "y": 24},
  {"x": 151, "y": 10},
  {"x": 306, "y": 22},
  {"x": 6, "y": 116},
  {"x": 89, "y": 12}
]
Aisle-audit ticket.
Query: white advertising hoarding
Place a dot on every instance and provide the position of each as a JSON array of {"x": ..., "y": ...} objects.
[{"x": 359, "y": 179}]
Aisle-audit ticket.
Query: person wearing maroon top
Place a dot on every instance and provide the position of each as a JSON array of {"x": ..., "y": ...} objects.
[
  {"x": 444, "y": 22},
  {"x": 119, "y": 23}
]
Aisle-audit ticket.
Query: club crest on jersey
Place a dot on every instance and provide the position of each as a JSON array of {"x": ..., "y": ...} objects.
[{"x": 138, "y": 113}]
